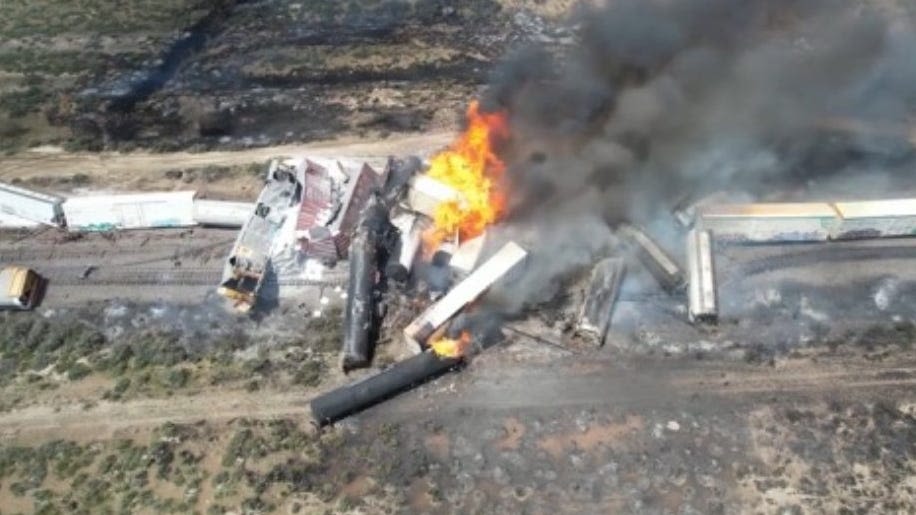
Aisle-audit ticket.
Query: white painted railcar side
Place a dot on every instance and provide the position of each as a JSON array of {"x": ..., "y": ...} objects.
[
  {"x": 132, "y": 211},
  {"x": 30, "y": 205},
  {"x": 876, "y": 218},
  {"x": 702, "y": 303},
  {"x": 221, "y": 213},
  {"x": 791, "y": 221}
]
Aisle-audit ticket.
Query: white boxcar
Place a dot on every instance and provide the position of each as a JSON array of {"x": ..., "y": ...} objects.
[
  {"x": 134, "y": 211},
  {"x": 221, "y": 213},
  {"x": 789, "y": 221},
  {"x": 30, "y": 205},
  {"x": 876, "y": 218}
]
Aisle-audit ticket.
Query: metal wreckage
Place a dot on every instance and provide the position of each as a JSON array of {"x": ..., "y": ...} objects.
[{"x": 416, "y": 238}]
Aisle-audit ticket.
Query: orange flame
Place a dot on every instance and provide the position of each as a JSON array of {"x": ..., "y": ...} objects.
[
  {"x": 452, "y": 348},
  {"x": 470, "y": 166}
]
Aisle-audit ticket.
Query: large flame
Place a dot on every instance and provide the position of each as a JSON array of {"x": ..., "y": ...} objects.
[
  {"x": 470, "y": 166},
  {"x": 452, "y": 348}
]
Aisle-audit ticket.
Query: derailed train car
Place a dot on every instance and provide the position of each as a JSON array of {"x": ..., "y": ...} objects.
[
  {"x": 20, "y": 207},
  {"x": 248, "y": 262}
]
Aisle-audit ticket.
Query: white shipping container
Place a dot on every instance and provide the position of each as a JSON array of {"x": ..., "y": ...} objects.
[
  {"x": 134, "y": 211},
  {"x": 222, "y": 213},
  {"x": 876, "y": 218},
  {"x": 30, "y": 205},
  {"x": 769, "y": 222}
]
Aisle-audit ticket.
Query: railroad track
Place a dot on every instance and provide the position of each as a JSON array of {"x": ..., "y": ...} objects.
[
  {"x": 825, "y": 254},
  {"x": 150, "y": 254},
  {"x": 72, "y": 276}
]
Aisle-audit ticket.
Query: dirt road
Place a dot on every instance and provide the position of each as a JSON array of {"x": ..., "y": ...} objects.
[
  {"x": 497, "y": 385},
  {"x": 111, "y": 168}
]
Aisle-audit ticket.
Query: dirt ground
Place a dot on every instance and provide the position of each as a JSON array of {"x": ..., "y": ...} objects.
[
  {"x": 142, "y": 171},
  {"x": 520, "y": 429}
]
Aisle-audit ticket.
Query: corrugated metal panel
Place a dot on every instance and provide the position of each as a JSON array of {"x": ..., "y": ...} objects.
[
  {"x": 325, "y": 249},
  {"x": 135, "y": 211},
  {"x": 329, "y": 183},
  {"x": 222, "y": 213},
  {"x": 342, "y": 244},
  {"x": 30, "y": 205}
]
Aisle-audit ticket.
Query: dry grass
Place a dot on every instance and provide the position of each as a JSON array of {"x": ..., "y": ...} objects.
[{"x": 28, "y": 18}]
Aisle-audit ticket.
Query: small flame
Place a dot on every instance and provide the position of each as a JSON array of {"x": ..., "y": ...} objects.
[
  {"x": 470, "y": 166},
  {"x": 452, "y": 348}
]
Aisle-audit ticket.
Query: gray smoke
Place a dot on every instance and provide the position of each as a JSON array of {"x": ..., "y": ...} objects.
[{"x": 661, "y": 99}]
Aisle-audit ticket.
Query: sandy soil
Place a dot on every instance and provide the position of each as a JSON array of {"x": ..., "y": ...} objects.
[
  {"x": 499, "y": 383},
  {"x": 145, "y": 171}
]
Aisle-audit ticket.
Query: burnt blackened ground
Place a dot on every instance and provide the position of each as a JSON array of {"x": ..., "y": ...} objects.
[
  {"x": 258, "y": 73},
  {"x": 236, "y": 73},
  {"x": 777, "y": 299},
  {"x": 676, "y": 447}
]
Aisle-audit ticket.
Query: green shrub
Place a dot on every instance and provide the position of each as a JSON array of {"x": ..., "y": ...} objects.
[
  {"x": 21, "y": 103},
  {"x": 177, "y": 377},
  {"x": 121, "y": 386},
  {"x": 78, "y": 371},
  {"x": 309, "y": 373}
]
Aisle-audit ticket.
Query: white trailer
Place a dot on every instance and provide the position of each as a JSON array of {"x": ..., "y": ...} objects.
[
  {"x": 791, "y": 221},
  {"x": 221, "y": 213},
  {"x": 30, "y": 205},
  {"x": 133, "y": 211},
  {"x": 876, "y": 218}
]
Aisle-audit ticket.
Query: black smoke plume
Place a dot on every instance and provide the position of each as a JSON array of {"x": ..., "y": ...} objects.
[{"x": 660, "y": 99}]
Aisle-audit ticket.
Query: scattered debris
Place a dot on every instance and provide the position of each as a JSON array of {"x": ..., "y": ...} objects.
[
  {"x": 335, "y": 192},
  {"x": 421, "y": 329},
  {"x": 88, "y": 271},
  {"x": 598, "y": 306}
]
